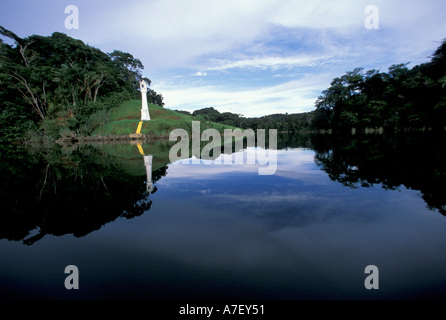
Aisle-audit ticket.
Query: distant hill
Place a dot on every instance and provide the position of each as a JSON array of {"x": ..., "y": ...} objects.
[
  {"x": 124, "y": 120},
  {"x": 294, "y": 122}
]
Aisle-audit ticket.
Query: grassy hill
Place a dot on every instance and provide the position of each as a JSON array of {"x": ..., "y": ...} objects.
[{"x": 124, "y": 120}]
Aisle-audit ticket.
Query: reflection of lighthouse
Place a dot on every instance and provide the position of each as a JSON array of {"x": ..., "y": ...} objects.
[
  {"x": 148, "y": 163},
  {"x": 145, "y": 116}
]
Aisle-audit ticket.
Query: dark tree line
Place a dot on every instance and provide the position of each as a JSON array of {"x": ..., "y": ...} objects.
[
  {"x": 399, "y": 99},
  {"x": 53, "y": 84},
  {"x": 282, "y": 122}
]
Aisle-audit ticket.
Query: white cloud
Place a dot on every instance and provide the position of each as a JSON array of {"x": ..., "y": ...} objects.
[
  {"x": 292, "y": 96},
  {"x": 291, "y": 163},
  {"x": 274, "y": 62},
  {"x": 175, "y": 32},
  {"x": 191, "y": 34},
  {"x": 319, "y": 14},
  {"x": 305, "y": 44}
]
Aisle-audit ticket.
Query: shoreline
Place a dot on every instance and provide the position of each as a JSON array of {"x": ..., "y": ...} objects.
[{"x": 142, "y": 137}]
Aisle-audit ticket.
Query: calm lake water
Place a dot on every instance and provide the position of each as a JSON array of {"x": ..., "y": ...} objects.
[{"x": 220, "y": 231}]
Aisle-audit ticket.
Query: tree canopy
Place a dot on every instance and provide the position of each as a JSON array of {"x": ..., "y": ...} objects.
[
  {"x": 399, "y": 99},
  {"x": 282, "y": 122},
  {"x": 56, "y": 83}
]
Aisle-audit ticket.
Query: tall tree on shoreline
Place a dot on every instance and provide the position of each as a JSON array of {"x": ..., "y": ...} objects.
[
  {"x": 45, "y": 79},
  {"x": 400, "y": 99}
]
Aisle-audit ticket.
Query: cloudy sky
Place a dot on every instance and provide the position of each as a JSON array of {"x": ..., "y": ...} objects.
[{"x": 252, "y": 57}]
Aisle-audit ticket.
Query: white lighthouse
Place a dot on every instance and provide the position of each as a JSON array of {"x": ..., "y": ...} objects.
[
  {"x": 148, "y": 164},
  {"x": 145, "y": 116}
]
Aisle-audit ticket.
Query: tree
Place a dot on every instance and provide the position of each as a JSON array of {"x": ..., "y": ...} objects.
[
  {"x": 60, "y": 83},
  {"x": 155, "y": 98},
  {"x": 130, "y": 68},
  {"x": 402, "y": 98}
]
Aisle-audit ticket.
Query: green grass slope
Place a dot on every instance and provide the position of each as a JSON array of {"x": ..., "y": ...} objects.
[{"x": 126, "y": 117}]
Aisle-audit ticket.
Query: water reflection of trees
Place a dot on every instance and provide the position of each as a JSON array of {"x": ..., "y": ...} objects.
[
  {"x": 75, "y": 189},
  {"x": 61, "y": 191},
  {"x": 416, "y": 161},
  {"x": 58, "y": 192}
]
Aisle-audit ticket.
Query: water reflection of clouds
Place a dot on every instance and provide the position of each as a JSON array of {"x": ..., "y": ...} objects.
[
  {"x": 291, "y": 163},
  {"x": 314, "y": 237},
  {"x": 299, "y": 194}
]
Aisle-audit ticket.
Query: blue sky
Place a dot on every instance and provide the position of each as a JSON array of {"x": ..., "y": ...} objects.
[{"x": 252, "y": 57}]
